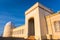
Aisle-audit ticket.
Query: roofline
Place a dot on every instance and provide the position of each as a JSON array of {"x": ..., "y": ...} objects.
[
  {"x": 54, "y": 14},
  {"x": 38, "y": 5}
]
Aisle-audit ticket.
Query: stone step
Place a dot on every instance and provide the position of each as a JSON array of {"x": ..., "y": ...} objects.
[{"x": 31, "y": 38}]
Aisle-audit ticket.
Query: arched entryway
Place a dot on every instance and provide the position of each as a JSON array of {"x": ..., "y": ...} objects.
[{"x": 31, "y": 29}]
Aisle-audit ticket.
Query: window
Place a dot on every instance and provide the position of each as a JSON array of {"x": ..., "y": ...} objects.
[{"x": 57, "y": 26}]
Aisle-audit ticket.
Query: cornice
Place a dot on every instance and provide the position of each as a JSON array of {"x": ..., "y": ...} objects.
[{"x": 37, "y": 5}]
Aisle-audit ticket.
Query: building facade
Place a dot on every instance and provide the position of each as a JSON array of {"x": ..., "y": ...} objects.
[{"x": 40, "y": 23}]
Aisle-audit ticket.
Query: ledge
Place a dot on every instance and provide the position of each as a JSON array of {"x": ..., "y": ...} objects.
[{"x": 38, "y": 5}]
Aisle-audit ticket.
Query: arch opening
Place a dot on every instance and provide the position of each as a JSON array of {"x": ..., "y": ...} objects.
[{"x": 31, "y": 29}]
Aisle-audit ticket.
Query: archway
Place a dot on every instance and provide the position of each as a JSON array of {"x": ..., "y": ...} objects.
[{"x": 31, "y": 29}]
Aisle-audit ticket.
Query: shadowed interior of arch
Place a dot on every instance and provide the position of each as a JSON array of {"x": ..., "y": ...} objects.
[{"x": 31, "y": 30}]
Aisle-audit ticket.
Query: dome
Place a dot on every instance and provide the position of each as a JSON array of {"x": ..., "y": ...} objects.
[
  {"x": 7, "y": 29},
  {"x": 9, "y": 23}
]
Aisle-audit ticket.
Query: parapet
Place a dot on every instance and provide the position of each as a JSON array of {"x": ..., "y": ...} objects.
[{"x": 38, "y": 5}]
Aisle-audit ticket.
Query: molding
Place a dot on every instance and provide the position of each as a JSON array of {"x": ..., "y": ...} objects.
[
  {"x": 36, "y": 6},
  {"x": 30, "y": 11}
]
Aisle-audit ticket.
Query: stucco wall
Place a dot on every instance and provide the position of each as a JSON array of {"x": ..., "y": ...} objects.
[
  {"x": 38, "y": 12},
  {"x": 50, "y": 23},
  {"x": 33, "y": 14},
  {"x": 19, "y": 31},
  {"x": 43, "y": 22}
]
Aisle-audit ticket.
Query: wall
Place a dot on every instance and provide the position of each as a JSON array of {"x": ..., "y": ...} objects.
[
  {"x": 19, "y": 31},
  {"x": 50, "y": 23},
  {"x": 33, "y": 14},
  {"x": 43, "y": 23}
]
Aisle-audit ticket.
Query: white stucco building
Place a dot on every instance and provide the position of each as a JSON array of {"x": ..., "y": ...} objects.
[{"x": 40, "y": 23}]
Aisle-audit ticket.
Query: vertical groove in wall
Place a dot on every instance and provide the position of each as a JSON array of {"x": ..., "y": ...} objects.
[
  {"x": 51, "y": 24},
  {"x": 46, "y": 24}
]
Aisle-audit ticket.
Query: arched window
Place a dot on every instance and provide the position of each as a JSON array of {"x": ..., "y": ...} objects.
[{"x": 57, "y": 26}]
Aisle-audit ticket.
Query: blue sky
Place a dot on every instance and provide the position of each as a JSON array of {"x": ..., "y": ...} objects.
[{"x": 14, "y": 10}]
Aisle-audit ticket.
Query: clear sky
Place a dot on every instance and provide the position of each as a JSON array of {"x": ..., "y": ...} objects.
[{"x": 13, "y": 10}]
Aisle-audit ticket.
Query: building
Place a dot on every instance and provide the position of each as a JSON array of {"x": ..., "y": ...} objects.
[{"x": 40, "y": 23}]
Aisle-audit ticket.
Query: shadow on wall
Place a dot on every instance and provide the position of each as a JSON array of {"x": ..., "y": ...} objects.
[
  {"x": 15, "y": 38},
  {"x": 11, "y": 38}
]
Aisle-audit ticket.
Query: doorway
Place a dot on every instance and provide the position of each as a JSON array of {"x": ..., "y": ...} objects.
[{"x": 31, "y": 29}]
